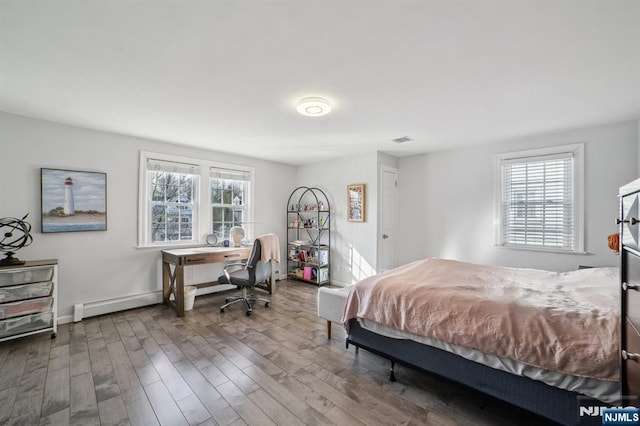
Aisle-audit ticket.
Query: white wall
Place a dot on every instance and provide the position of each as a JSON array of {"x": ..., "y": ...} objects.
[
  {"x": 353, "y": 244},
  {"x": 98, "y": 266},
  {"x": 447, "y": 199}
]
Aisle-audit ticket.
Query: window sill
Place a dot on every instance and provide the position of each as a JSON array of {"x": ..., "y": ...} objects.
[{"x": 540, "y": 249}]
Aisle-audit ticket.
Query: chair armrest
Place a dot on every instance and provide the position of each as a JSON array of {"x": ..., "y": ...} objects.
[
  {"x": 226, "y": 272},
  {"x": 235, "y": 264}
]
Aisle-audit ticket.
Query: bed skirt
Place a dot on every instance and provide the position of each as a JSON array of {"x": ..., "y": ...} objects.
[{"x": 556, "y": 404}]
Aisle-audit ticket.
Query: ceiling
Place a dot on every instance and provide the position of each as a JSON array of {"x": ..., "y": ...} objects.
[{"x": 226, "y": 75}]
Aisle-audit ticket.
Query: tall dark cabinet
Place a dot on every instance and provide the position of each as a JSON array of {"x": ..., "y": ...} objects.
[{"x": 629, "y": 221}]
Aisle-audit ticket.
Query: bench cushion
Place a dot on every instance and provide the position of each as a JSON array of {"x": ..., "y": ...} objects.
[{"x": 331, "y": 303}]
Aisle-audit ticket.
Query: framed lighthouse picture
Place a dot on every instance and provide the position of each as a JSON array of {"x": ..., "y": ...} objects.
[{"x": 73, "y": 201}]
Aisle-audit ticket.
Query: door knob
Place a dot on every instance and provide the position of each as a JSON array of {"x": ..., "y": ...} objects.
[{"x": 385, "y": 236}]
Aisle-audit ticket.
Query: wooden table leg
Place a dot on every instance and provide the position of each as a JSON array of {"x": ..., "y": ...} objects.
[{"x": 179, "y": 290}]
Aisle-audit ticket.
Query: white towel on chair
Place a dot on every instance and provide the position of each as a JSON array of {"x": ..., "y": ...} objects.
[{"x": 270, "y": 247}]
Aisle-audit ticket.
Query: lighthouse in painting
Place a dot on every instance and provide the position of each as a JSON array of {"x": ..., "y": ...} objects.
[{"x": 69, "y": 208}]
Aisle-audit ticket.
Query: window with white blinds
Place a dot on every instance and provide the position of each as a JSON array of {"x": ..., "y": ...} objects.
[{"x": 541, "y": 202}]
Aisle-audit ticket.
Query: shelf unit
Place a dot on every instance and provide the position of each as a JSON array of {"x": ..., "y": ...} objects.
[
  {"x": 309, "y": 236},
  {"x": 28, "y": 299}
]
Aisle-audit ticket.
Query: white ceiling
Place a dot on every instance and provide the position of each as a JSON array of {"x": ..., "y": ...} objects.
[{"x": 226, "y": 75}]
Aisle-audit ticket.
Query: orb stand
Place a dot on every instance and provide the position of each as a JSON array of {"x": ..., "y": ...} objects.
[{"x": 10, "y": 260}]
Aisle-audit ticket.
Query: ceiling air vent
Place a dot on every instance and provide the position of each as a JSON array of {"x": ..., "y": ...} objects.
[{"x": 402, "y": 139}]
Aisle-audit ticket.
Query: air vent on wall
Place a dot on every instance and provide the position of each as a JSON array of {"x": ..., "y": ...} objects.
[{"x": 402, "y": 139}]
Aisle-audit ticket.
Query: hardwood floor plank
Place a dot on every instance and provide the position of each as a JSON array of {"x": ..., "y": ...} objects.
[
  {"x": 28, "y": 402},
  {"x": 59, "y": 418},
  {"x": 249, "y": 412},
  {"x": 56, "y": 392},
  {"x": 193, "y": 410},
  {"x": 113, "y": 412},
  {"x": 83, "y": 407},
  {"x": 276, "y": 411},
  {"x": 135, "y": 400},
  {"x": 164, "y": 406},
  {"x": 14, "y": 366},
  {"x": 293, "y": 402},
  {"x": 104, "y": 378},
  {"x": 59, "y": 357},
  {"x": 7, "y": 398},
  {"x": 217, "y": 406}
]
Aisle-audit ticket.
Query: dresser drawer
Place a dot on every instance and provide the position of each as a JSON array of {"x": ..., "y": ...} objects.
[
  {"x": 25, "y": 291},
  {"x": 630, "y": 216},
  {"x": 631, "y": 276},
  {"x": 25, "y": 307},
  {"x": 18, "y": 325},
  {"x": 23, "y": 276},
  {"x": 632, "y": 366}
]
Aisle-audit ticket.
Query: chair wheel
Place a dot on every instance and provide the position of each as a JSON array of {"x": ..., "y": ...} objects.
[
  {"x": 266, "y": 305},
  {"x": 222, "y": 311},
  {"x": 248, "y": 313}
]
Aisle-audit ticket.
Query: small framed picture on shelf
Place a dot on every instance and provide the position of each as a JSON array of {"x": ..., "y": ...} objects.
[{"x": 356, "y": 202}]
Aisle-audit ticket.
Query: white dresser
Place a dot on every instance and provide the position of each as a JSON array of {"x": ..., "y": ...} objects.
[{"x": 28, "y": 299}]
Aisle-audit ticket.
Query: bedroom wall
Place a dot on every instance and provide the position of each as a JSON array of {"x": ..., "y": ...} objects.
[
  {"x": 353, "y": 251},
  {"x": 100, "y": 266},
  {"x": 447, "y": 199}
]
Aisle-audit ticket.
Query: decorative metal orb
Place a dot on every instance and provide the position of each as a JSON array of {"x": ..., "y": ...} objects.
[{"x": 14, "y": 235}]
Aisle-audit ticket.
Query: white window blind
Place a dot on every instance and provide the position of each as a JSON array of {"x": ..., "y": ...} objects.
[{"x": 538, "y": 205}]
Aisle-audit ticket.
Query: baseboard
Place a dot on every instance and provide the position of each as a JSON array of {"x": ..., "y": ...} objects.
[{"x": 93, "y": 309}]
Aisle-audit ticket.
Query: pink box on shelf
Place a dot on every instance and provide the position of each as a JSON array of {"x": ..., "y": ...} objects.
[{"x": 307, "y": 273}]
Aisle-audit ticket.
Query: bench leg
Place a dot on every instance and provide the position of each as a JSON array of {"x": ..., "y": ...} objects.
[{"x": 328, "y": 329}]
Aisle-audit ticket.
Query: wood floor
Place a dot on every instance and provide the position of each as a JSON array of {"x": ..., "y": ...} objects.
[{"x": 147, "y": 367}]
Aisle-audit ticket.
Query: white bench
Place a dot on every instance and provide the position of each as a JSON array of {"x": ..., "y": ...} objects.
[{"x": 331, "y": 303}]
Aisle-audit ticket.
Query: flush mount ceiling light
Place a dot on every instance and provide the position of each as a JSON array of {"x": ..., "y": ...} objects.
[{"x": 314, "y": 106}]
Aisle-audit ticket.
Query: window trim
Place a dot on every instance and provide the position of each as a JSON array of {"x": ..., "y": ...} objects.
[
  {"x": 202, "y": 217},
  {"x": 577, "y": 152}
]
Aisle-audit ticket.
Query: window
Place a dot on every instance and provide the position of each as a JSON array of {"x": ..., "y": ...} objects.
[
  {"x": 229, "y": 200},
  {"x": 184, "y": 199},
  {"x": 540, "y": 199},
  {"x": 171, "y": 196}
]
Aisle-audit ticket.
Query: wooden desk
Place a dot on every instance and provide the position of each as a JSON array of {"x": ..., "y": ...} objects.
[{"x": 173, "y": 278}]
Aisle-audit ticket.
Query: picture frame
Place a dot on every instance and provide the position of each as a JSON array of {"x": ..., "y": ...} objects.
[
  {"x": 356, "y": 202},
  {"x": 73, "y": 201}
]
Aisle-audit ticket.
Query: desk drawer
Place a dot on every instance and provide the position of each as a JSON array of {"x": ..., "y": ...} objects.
[{"x": 227, "y": 256}]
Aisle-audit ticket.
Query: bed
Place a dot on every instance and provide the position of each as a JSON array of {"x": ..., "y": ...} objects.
[{"x": 545, "y": 341}]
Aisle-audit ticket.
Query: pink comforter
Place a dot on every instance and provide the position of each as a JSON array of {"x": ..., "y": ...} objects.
[{"x": 565, "y": 322}]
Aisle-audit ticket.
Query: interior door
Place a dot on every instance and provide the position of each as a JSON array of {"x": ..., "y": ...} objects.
[{"x": 388, "y": 210}]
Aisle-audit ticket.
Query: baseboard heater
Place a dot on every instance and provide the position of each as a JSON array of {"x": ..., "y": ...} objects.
[{"x": 102, "y": 307}]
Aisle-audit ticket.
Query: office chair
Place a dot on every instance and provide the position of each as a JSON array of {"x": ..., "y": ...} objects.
[{"x": 253, "y": 272}]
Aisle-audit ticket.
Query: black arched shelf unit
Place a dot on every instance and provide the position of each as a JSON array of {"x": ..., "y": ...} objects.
[{"x": 309, "y": 236}]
